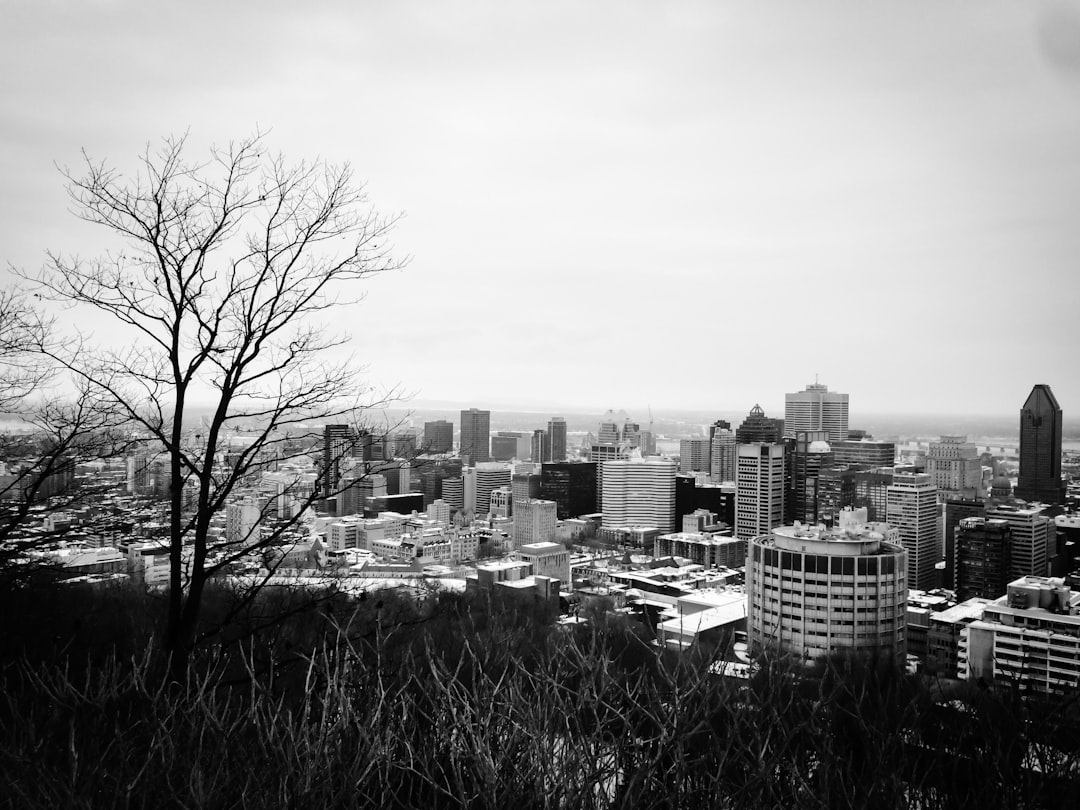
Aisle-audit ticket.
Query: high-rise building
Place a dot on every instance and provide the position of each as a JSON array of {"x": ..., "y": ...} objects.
[
  {"x": 814, "y": 592},
  {"x": 694, "y": 455},
  {"x": 1040, "y": 448},
  {"x": 913, "y": 509},
  {"x": 339, "y": 442},
  {"x": 541, "y": 446},
  {"x": 490, "y": 476},
  {"x": 863, "y": 451},
  {"x": 503, "y": 448},
  {"x": 556, "y": 431},
  {"x": 810, "y": 456},
  {"x": 757, "y": 427},
  {"x": 534, "y": 522},
  {"x": 759, "y": 494},
  {"x": 954, "y": 466},
  {"x": 476, "y": 435},
  {"x": 722, "y": 455},
  {"x": 956, "y": 509},
  {"x": 438, "y": 436},
  {"x": 817, "y": 408},
  {"x": 639, "y": 492},
  {"x": 1033, "y": 535},
  {"x": 572, "y": 485},
  {"x": 982, "y": 558}
]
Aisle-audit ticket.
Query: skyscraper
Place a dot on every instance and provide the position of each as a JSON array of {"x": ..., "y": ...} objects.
[
  {"x": 490, "y": 476},
  {"x": 338, "y": 443},
  {"x": 757, "y": 427},
  {"x": 572, "y": 485},
  {"x": 759, "y": 494},
  {"x": 541, "y": 446},
  {"x": 817, "y": 408},
  {"x": 722, "y": 455},
  {"x": 639, "y": 492},
  {"x": 913, "y": 509},
  {"x": 1032, "y": 535},
  {"x": 476, "y": 435},
  {"x": 954, "y": 466},
  {"x": 438, "y": 436},
  {"x": 694, "y": 455},
  {"x": 810, "y": 456},
  {"x": 1040, "y": 448},
  {"x": 556, "y": 430},
  {"x": 982, "y": 558}
]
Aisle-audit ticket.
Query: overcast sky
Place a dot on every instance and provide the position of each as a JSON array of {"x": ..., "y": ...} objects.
[{"x": 608, "y": 204}]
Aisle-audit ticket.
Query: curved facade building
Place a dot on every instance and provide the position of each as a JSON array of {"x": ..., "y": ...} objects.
[{"x": 814, "y": 592}]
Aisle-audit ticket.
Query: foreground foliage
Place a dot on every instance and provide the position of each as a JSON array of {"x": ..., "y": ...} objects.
[{"x": 459, "y": 701}]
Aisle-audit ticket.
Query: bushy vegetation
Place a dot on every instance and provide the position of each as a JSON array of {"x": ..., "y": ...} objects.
[{"x": 463, "y": 701}]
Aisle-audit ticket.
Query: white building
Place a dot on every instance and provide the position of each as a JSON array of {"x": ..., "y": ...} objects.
[
  {"x": 954, "y": 467},
  {"x": 1030, "y": 637},
  {"x": 722, "y": 456},
  {"x": 242, "y": 517},
  {"x": 817, "y": 408},
  {"x": 815, "y": 592},
  {"x": 639, "y": 492},
  {"x": 911, "y": 506},
  {"x": 760, "y": 492},
  {"x": 534, "y": 521},
  {"x": 489, "y": 476}
]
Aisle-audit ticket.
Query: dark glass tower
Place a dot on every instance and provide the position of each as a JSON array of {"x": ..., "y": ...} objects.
[
  {"x": 1040, "y": 448},
  {"x": 757, "y": 427},
  {"x": 476, "y": 435},
  {"x": 571, "y": 484}
]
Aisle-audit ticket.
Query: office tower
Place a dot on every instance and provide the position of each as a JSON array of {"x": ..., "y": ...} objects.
[
  {"x": 872, "y": 492},
  {"x": 647, "y": 442},
  {"x": 757, "y": 427},
  {"x": 430, "y": 474},
  {"x": 1033, "y": 536},
  {"x": 572, "y": 485},
  {"x": 1040, "y": 448},
  {"x": 982, "y": 558},
  {"x": 534, "y": 521},
  {"x": 556, "y": 431},
  {"x": 541, "y": 446},
  {"x": 460, "y": 492},
  {"x": 954, "y": 467},
  {"x": 356, "y": 486},
  {"x": 1028, "y": 639},
  {"x": 759, "y": 494},
  {"x": 913, "y": 509},
  {"x": 817, "y": 408},
  {"x": 810, "y": 456},
  {"x": 956, "y": 509},
  {"x": 815, "y": 592},
  {"x": 398, "y": 474},
  {"x": 490, "y": 476},
  {"x": 438, "y": 436},
  {"x": 404, "y": 443},
  {"x": 863, "y": 451},
  {"x": 722, "y": 455},
  {"x": 618, "y": 429},
  {"x": 476, "y": 435},
  {"x": 639, "y": 492},
  {"x": 547, "y": 560},
  {"x": 694, "y": 455},
  {"x": 339, "y": 442},
  {"x": 719, "y": 424},
  {"x": 502, "y": 502},
  {"x": 503, "y": 448},
  {"x": 717, "y": 498},
  {"x": 525, "y": 484}
]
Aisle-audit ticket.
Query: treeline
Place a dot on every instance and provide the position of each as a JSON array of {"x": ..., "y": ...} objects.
[{"x": 463, "y": 701}]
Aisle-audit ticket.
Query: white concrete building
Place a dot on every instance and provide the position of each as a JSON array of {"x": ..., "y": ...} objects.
[
  {"x": 817, "y": 408},
  {"x": 639, "y": 492},
  {"x": 815, "y": 592},
  {"x": 760, "y": 491},
  {"x": 912, "y": 508},
  {"x": 534, "y": 522}
]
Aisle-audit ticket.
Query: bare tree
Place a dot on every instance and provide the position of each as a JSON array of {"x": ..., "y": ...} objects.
[{"x": 221, "y": 293}]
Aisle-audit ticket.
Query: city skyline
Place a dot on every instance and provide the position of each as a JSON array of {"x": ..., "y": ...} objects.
[{"x": 868, "y": 177}]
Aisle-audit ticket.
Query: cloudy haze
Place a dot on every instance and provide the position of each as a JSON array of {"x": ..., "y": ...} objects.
[{"x": 609, "y": 204}]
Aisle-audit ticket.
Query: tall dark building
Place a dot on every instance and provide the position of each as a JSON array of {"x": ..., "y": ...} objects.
[
  {"x": 339, "y": 442},
  {"x": 556, "y": 431},
  {"x": 476, "y": 435},
  {"x": 571, "y": 484},
  {"x": 1040, "y": 448},
  {"x": 982, "y": 558},
  {"x": 438, "y": 436},
  {"x": 757, "y": 427},
  {"x": 956, "y": 509},
  {"x": 716, "y": 498},
  {"x": 503, "y": 448},
  {"x": 810, "y": 456}
]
